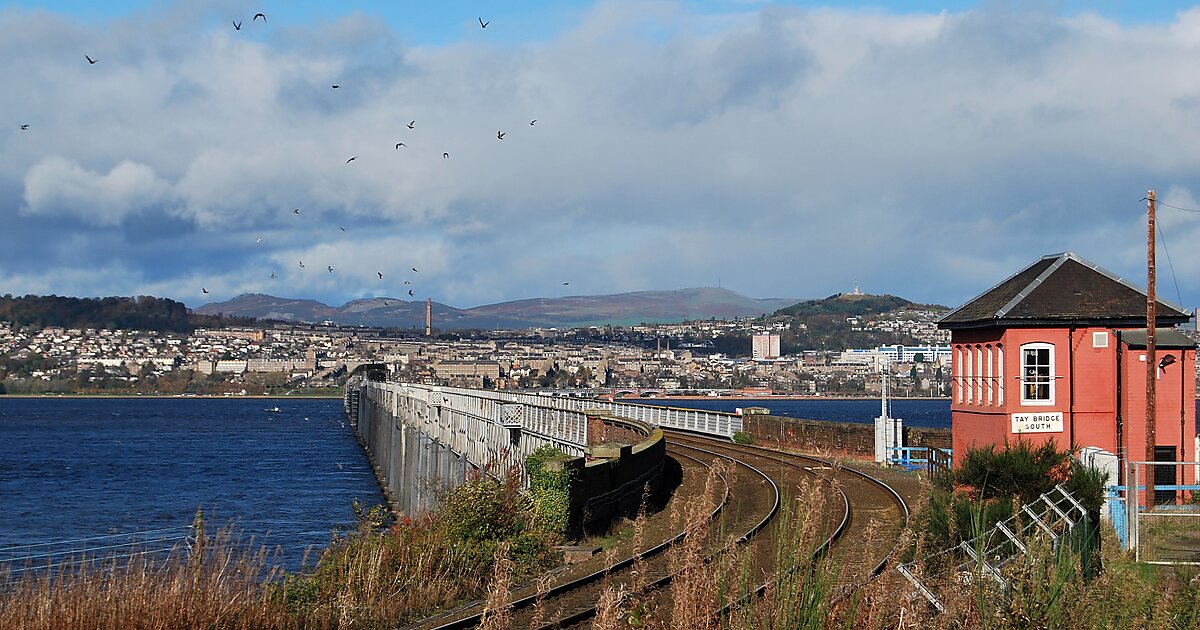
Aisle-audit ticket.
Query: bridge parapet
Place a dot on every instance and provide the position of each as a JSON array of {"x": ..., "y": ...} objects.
[{"x": 423, "y": 439}]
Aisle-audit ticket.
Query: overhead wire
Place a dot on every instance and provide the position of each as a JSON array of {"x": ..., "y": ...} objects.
[{"x": 1162, "y": 237}]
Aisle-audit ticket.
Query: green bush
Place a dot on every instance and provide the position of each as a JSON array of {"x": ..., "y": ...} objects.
[
  {"x": 482, "y": 510},
  {"x": 549, "y": 490},
  {"x": 991, "y": 483},
  {"x": 741, "y": 437}
]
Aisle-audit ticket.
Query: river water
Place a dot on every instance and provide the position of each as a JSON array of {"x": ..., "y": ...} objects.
[{"x": 72, "y": 468}]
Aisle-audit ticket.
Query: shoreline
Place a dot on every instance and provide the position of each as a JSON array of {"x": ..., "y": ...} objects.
[
  {"x": 778, "y": 397},
  {"x": 169, "y": 396}
]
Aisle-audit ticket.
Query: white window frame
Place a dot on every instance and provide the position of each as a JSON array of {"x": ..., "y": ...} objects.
[
  {"x": 970, "y": 383},
  {"x": 958, "y": 372},
  {"x": 978, "y": 375},
  {"x": 1000, "y": 375},
  {"x": 991, "y": 373},
  {"x": 1028, "y": 402}
]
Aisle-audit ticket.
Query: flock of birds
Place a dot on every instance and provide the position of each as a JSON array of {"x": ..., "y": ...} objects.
[{"x": 237, "y": 26}]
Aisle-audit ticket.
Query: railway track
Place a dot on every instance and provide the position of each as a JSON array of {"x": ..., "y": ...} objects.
[
  {"x": 752, "y": 490},
  {"x": 875, "y": 512},
  {"x": 574, "y": 597}
]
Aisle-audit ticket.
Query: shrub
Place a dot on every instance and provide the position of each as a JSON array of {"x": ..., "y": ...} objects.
[
  {"x": 741, "y": 437},
  {"x": 991, "y": 483},
  {"x": 549, "y": 490}
]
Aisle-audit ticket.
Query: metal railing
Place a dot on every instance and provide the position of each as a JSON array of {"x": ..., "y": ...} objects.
[
  {"x": 1053, "y": 515},
  {"x": 914, "y": 458},
  {"x": 711, "y": 422}
]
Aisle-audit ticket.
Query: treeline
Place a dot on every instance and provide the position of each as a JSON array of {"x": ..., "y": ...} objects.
[{"x": 143, "y": 312}]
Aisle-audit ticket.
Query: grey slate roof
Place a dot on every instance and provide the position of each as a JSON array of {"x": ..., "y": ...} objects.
[
  {"x": 1164, "y": 338},
  {"x": 1061, "y": 289}
]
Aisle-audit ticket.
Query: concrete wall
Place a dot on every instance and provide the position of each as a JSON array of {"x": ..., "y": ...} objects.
[{"x": 613, "y": 479}]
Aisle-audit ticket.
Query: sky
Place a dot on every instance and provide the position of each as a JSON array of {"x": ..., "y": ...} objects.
[{"x": 794, "y": 149}]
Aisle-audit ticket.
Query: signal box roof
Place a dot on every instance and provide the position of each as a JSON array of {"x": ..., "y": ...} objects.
[{"x": 1061, "y": 289}]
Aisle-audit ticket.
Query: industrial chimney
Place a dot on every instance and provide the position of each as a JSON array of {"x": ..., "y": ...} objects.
[{"x": 428, "y": 317}]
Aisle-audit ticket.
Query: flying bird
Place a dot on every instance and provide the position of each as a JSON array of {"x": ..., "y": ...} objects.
[
  {"x": 407, "y": 282},
  {"x": 386, "y": 303},
  {"x": 260, "y": 15},
  {"x": 24, "y": 127},
  {"x": 414, "y": 270},
  {"x": 532, "y": 121},
  {"x": 258, "y": 241},
  {"x": 380, "y": 274},
  {"x": 296, "y": 211},
  {"x": 566, "y": 283},
  {"x": 499, "y": 135},
  {"x": 273, "y": 275},
  {"x": 400, "y": 144},
  {"x": 483, "y": 24},
  {"x": 237, "y": 26},
  {"x": 203, "y": 289},
  {"x": 341, "y": 228},
  {"x": 446, "y": 156},
  {"x": 412, "y": 125},
  {"x": 352, "y": 159},
  {"x": 335, "y": 86},
  {"x": 410, "y": 292},
  {"x": 301, "y": 263},
  {"x": 330, "y": 268},
  {"x": 90, "y": 60}
]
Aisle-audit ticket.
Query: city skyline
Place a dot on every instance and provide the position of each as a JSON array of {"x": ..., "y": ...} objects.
[{"x": 789, "y": 150}]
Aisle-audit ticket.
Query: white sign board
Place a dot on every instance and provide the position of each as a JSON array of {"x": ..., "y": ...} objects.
[{"x": 1044, "y": 422}]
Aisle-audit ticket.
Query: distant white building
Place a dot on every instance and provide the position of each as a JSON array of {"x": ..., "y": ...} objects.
[
  {"x": 938, "y": 355},
  {"x": 764, "y": 347}
]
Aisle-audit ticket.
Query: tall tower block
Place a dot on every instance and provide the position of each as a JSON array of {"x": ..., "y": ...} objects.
[{"x": 428, "y": 317}]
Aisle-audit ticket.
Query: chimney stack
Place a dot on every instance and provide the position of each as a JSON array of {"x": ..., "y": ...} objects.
[{"x": 428, "y": 317}]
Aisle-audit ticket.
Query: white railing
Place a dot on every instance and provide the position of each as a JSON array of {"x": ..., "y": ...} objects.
[{"x": 711, "y": 422}]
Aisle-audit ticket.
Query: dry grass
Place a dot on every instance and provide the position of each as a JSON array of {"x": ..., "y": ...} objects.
[
  {"x": 372, "y": 579},
  {"x": 220, "y": 586}
]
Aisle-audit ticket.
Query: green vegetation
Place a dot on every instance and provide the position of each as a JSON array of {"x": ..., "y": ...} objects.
[
  {"x": 131, "y": 313},
  {"x": 846, "y": 305},
  {"x": 549, "y": 490},
  {"x": 992, "y": 483},
  {"x": 741, "y": 437},
  {"x": 387, "y": 577}
]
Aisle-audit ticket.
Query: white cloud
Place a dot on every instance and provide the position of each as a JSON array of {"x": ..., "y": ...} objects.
[
  {"x": 59, "y": 186},
  {"x": 789, "y": 152}
]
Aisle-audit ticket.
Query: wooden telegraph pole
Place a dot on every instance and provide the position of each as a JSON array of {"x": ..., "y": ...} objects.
[{"x": 1151, "y": 349}]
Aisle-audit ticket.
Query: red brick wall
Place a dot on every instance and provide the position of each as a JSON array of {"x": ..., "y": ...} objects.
[{"x": 851, "y": 439}]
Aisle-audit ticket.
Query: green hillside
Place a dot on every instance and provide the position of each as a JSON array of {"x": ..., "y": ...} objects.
[{"x": 846, "y": 304}]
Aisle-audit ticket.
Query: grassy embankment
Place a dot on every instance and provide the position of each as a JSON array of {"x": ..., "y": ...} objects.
[{"x": 481, "y": 543}]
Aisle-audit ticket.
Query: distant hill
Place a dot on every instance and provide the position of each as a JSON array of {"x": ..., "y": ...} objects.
[
  {"x": 130, "y": 313},
  {"x": 821, "y": 324},
  {"x": 563, "y": 312},
  {"x": 848, "y": 304}
]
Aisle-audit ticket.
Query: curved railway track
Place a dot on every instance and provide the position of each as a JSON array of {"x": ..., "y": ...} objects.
[
  {"x": 873, "y": 508},
  {"x": 860, "y": 504},
  {"x": 574, "y": 600}
]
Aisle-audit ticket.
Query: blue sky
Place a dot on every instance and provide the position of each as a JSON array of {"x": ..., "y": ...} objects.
[{"x": 790, "y": 149}]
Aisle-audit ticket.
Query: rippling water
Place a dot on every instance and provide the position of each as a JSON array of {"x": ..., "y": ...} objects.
[{"x": 82, "y": 467}]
